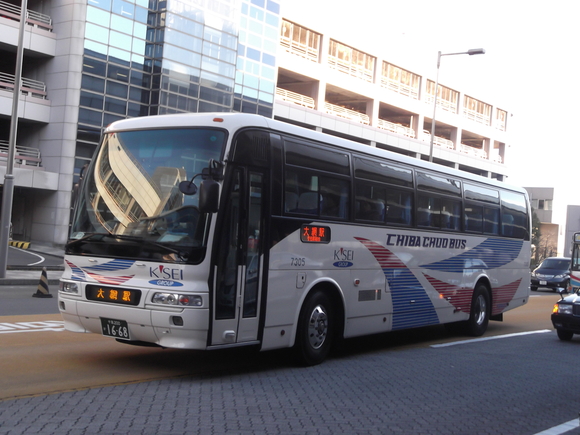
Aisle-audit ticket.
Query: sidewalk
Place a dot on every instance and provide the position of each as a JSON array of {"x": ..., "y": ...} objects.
[{"x": 25, "y": 275}]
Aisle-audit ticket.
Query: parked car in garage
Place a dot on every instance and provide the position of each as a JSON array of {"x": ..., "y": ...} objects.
[{"x": 553, "y": 273}]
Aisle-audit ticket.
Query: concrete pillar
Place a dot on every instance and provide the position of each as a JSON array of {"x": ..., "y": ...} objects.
[
  {"x": 487, "y": 147},
  {"x": 456, "y": 138},
  {"x": 372, "y": 111},
  {"x": 319, "y": 95},
  {"x": 417, "y": 121}
]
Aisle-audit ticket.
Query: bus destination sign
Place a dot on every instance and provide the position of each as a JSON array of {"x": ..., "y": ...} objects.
[
  {"x": 314, "y": 234},
  {"x": 116, "y": 296}
]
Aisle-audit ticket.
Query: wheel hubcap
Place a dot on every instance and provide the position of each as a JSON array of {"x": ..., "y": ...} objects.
[
  {"x": 481, "y": 309},
  {"x": 317, "y": 327}
]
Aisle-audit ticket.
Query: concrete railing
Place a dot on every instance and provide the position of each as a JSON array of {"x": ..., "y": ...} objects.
[
  {"x": 343, "y": 112},
  {"x": 472, "y": 115},
  {"x": 299, "y": 49},
  {"x": 439, "y": 141},
  {"x": 351, "y": 69},
  {"x": 293, "y": 97},
  {"x": 24, "y": 156},
  {"x": 29, "y": 87},
  {"x": 478, "y": 152},
  {"x": 395, "y": 128},
  {"x": 33, "y": 18},
  {"x": 446, "y": 105},
  {"x": 400, "y": 88}
]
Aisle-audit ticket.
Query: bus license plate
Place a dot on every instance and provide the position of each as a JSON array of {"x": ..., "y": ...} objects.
[
  {"x": 115, "y": 328},
  {"x": 543, "y": 282}
]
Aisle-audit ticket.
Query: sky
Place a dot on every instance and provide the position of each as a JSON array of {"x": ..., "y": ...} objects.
[{"x": 531, "y": 67}]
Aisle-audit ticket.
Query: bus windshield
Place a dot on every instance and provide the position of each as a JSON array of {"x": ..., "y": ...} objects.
[{"x": 130, "y": 205}]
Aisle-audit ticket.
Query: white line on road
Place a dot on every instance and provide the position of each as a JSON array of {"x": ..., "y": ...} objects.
[
  {"x": 48, "y": 325},
  {"x": 495, "y": 337},
  {"x": 560, "y": 429},
  {"x": 42, "y": 259},
  {"x": 556, "y": 430}
]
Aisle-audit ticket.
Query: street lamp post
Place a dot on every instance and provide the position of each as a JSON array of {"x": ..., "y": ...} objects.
[
  {"x": 439, "y": 55},
  {"x": 8, "y": 188}
]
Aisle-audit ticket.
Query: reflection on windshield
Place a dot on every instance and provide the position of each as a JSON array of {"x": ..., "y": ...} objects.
[{"x": 132, "y": 190}]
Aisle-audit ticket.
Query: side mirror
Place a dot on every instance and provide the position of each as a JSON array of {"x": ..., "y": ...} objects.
[{"x": 209, "y": 196}]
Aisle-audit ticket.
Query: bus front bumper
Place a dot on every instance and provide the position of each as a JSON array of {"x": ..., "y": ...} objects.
[{"x": 183, "y": 329}]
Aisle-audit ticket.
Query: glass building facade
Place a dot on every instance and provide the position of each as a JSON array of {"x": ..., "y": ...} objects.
[{"x": 150, "y": 57}]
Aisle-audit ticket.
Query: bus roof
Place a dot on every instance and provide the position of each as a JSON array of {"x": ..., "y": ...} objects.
[{"x": 235, "y": 121}]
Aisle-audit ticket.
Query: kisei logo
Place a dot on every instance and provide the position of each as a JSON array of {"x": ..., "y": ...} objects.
[
  {"x": 343, "y": 257},
  {"x": 162, "y": 272},
  {"x": 344, "y": 254}
]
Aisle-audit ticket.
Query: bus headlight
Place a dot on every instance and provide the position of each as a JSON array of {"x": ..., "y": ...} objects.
[
  {"x": 176, "y": 299},
  {"x": 68, "y": 287}
]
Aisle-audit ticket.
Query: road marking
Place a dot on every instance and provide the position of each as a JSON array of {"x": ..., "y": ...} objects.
[
  {"x": 48, "y": 325},
  {"x": 495, "y": 337},
  {"x": 42, "y": 259},
  {"x": 560, "y": 429}
]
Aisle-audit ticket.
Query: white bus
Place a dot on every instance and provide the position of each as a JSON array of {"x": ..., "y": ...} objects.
[{"x": 206, "y": 231}]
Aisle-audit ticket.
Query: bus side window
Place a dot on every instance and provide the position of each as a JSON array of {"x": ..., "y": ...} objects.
[
  {"x": 335, "y": 198},
  {"x": 514, "y": 215},
  {"x": 507, "y": 225},
  {"x": 370, "y": 202},
  {"x": 290, "y": 201},
  {"x": 490, "y": 220},
  {"x": 308, "y": 203},
  {"x": 474, "y": 218}
]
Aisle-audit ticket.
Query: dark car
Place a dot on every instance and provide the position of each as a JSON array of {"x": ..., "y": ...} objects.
[
  {"x": 552, "y": 273},
  {"x": 566, "y": 316}
]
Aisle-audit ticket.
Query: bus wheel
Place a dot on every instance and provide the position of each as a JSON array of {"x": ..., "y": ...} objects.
[
  {"x": 315, "y": 330},
  {"x": 479, "y": 315}
]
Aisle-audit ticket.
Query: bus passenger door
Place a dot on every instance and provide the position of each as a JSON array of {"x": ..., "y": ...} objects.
[{"x": 238, "y": 277}]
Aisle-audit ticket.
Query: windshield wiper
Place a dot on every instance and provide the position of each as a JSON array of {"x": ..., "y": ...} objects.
[
  {"x": 183, "y": 256},
  {"x": 85, "y": 238}
]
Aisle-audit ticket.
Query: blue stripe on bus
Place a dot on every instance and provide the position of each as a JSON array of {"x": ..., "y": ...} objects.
[
  {"x": 412, "y": 307},
  {"x": 494, "y": 253}
]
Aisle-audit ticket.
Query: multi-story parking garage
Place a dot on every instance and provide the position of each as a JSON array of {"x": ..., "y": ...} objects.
[{"x": 89, "y": 63}]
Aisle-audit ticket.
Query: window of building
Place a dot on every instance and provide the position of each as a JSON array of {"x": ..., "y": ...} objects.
[
  {"x": 500, "y": 119},
  {"x": 300, "y": 40},
  {"x": 476, "y": 110},
  {"x": 544, "y": 204},
  {"x": 447, "y": 99},
  {"x": 351, "y": 61},
  {"x": 401, "y": 81}
]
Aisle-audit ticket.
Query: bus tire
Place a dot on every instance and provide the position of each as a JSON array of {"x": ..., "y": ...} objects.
[
  {"x": 315, "y": 330},
  {"x": 479, "y": 314}
]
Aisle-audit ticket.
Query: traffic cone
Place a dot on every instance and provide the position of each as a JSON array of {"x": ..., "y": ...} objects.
[{"x": 42, "y": 291}]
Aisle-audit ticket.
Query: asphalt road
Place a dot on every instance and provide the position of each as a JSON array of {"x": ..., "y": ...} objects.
[
  {"x": 18, "y": 300},
  {"x": 23, "y": 258},
  {"x": 426, "y": 381}
]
